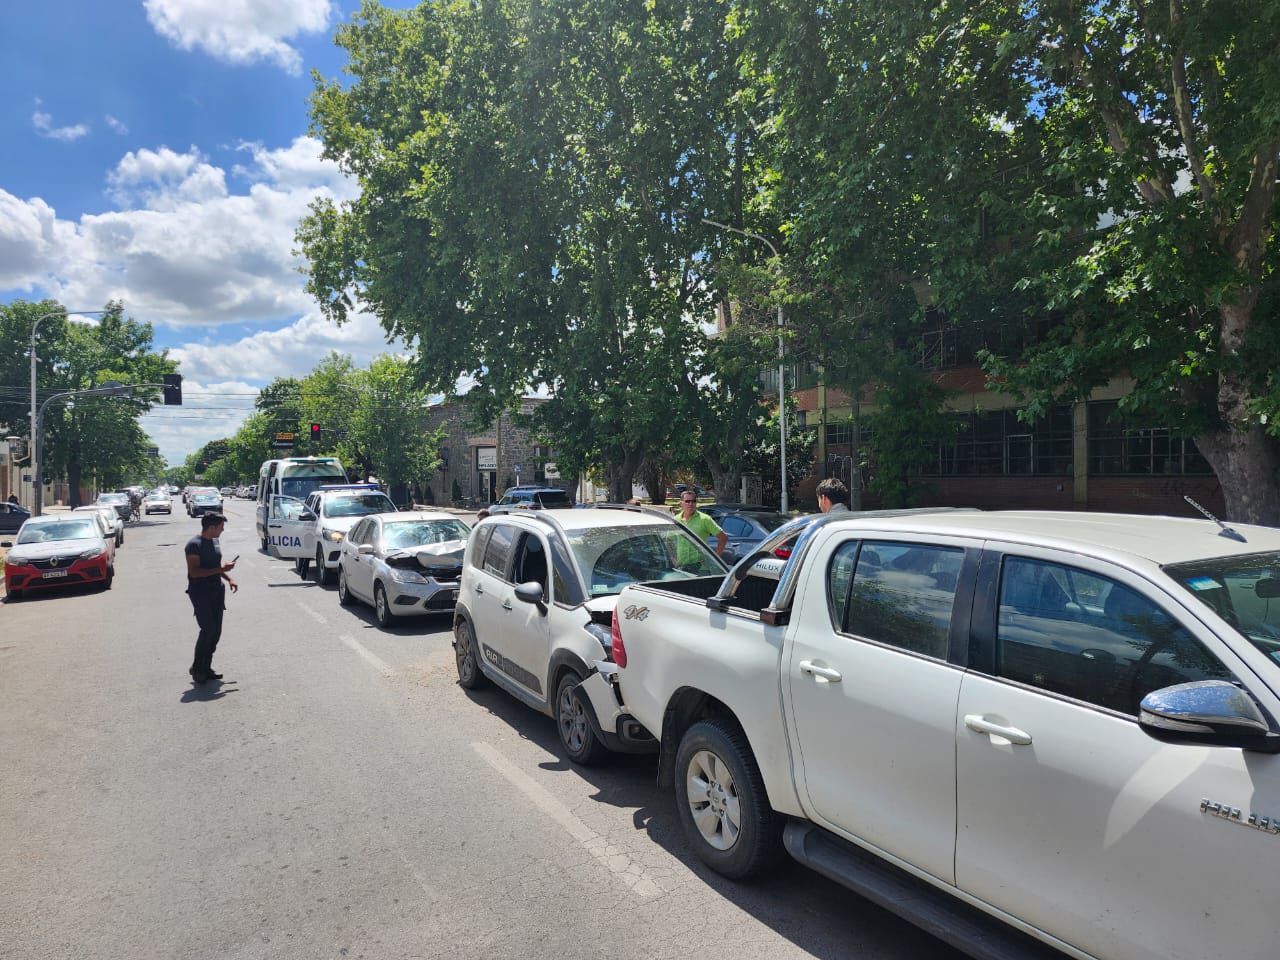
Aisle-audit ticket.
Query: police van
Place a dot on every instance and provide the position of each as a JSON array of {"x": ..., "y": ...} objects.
[{"x": 294, "y": 478}]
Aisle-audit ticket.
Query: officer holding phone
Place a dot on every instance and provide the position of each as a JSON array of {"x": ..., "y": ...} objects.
[{"x": 205, "y": 575}]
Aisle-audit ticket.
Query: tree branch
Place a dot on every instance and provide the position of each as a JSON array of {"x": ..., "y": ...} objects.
[
  {"x": 1248, "y": 241},
  {"x": 1186, "y": 124}
]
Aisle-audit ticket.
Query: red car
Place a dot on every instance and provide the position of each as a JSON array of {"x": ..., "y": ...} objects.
[{"x": 58, "y": 550}]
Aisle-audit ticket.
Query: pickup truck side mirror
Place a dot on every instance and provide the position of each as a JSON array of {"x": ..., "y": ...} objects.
[
  {"x": 306, "y": 515},
  {"x": 364, "y": 549},
  {"x": 1210, "y": 712}
]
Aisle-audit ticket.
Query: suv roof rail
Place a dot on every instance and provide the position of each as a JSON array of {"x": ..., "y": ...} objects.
[{"x": 348, "y": 486}]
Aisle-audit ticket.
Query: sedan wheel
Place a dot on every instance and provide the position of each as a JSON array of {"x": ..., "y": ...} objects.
[
  {"x": 381, "y": 606},
  {"x": 344, "y": 592}
]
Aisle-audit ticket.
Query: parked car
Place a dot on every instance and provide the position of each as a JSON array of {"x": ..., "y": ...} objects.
[
  {"x": 12, "y": 517},
  {"x": 157, "y": 502},
  {"x": 404, "y": 564},
  {"x": 536, "y": 602},
  {"x": 58, "y": 550},
  {"x": 106, "y": 524},
  {"x": 745, "y": 528},
  {"x": 119, "y": 502},
  {"x": 531, "y": 498},
  {"x": 1068, "y": 721},
  {"x": 112, "y": 517}
]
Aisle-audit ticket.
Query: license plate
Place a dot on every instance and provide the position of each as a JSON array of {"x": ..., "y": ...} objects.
[{"x": 53, "y": 574}]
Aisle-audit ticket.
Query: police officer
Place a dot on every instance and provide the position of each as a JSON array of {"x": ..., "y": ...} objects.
[{"x": 205, "y": 573}]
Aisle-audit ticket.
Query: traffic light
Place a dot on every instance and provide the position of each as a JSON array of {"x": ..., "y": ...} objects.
[
  {"x": 315, "y": 431},
  {"x": 172, "y": 389}
]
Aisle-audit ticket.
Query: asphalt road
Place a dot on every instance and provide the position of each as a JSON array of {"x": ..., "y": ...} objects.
[{"x": 337, "y": 795}]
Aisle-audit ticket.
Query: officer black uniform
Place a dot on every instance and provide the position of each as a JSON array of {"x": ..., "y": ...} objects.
[{"x": 205, "y": 573}]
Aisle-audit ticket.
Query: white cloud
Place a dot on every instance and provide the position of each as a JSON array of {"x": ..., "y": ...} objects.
[
  {"x": 183, "y": 250},
  {"x": 209, "y": 411},
  {"x": 116, "y": 124},
  {"x": 43, "y": 124},
  {"x": 292, "y": 351},
  {"x": 240, "y": 31}
]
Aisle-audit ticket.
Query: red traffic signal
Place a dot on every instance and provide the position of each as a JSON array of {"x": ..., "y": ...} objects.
[{"x": 315, "y": 431}]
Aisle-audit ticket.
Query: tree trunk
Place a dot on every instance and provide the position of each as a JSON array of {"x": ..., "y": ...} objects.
[
  {"x": 73, "y": 478},
  {"x": 1245, "y": 459},
  {"x": 1247, "y": 466},
  {"x": 621, "y": 476}
]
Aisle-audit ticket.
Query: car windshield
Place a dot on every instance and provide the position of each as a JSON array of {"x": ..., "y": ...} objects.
[
  {"x": 1244, "y": 591},
  {"x": 612, "y": 557},
  {"x": 360, "y": 505},
  {"x": 406, "y": 534},
  {"x": 61, "y": 530},
  {"x": 300, "y": 486}
]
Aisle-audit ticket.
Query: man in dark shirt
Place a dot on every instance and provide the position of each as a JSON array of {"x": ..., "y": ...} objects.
[{"x": 205, "y": 573}]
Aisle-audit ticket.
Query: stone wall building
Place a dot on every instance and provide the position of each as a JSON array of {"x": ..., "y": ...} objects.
[{"x": 484, "y": 462}]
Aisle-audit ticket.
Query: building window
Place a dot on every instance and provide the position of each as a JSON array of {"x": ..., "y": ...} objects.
[
  {"x": 1118, "y": 448},
  {"x": 539, "y": 464},
  {"x": 997, "y": 443}
]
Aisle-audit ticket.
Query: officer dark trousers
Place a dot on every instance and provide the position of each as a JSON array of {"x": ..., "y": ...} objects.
[{"x": 208, "y": 606}]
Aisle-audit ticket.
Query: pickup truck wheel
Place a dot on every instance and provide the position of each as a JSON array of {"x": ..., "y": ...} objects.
[
  {"x": 575, "y": 729},
  {"x": 470, "y": 676},
  {"x": 322, "y": 575},
  {"x": 722, "y": 804}
]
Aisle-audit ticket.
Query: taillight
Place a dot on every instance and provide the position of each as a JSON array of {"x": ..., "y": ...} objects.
[
  {"x": 783, "y": 552},
  {"x": 619, "y": 649}
]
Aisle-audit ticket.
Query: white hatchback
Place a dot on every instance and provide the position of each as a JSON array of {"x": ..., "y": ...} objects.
[{"x": 536, "y": 604}]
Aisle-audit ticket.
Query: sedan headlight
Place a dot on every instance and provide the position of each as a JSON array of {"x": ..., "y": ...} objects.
[
  {"x": 334, "y": 535},
  {"x": 406, "y": 575},
  {"x": 92, "y": 554}
]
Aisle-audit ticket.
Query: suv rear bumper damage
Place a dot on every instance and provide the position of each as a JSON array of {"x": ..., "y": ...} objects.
[{"x": 610, "y": 721}]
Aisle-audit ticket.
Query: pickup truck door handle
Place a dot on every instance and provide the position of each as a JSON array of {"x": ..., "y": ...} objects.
[
  {"x": 826, "y": 673},
  {"x": 980, "y": 724},
  {"x": 479, "y": 589},
  {"x": 506, "y": 604}
]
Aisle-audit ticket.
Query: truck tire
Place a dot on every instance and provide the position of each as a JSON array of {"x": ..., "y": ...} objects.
[
  {"x": 322, "y": 575},
  {"x": 721, "y": 802},
  {"x": 576, "y": 736},
  {"x": 467, "y": 654}
]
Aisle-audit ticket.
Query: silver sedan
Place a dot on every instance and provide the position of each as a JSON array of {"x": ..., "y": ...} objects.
[{"x": 405, "y": 564}]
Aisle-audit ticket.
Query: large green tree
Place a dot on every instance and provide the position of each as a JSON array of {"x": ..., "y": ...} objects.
[
  {"x": 521, "y": 163},
  {"x": 85, "y": 438},
  {"x": 1102, "y": 178}
]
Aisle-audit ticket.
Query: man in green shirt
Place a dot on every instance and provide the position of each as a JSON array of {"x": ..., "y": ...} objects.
[{"x": 699, "y": 524}]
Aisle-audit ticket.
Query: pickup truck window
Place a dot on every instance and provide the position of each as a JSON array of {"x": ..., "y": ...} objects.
[
  {"x": 900, "y": 594},
  {"x": 1088, "y": 637}
]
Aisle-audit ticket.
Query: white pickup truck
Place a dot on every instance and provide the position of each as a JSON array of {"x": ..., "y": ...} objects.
[{"x": 1032, "y": 734}]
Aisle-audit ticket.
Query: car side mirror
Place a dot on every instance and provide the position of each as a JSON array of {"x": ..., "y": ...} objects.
[
  {"x": 364, "y": 549},
  {"x": 531, "y": 592},
  {"x": 6, "y": 543},
  {"x": 306, "y": 515},
  {"x": 1268, "y": 588},
  {"x": 1210, "y": 712}
]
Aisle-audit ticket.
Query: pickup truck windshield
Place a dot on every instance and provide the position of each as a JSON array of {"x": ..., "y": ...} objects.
[
  {"x": 612, "y": 557},
  {"x": 1244, "y": 591}
]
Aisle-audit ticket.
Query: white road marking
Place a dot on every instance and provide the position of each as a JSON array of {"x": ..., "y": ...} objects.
[
  {"x": 366, "y": 654},
  {"x": 369, "y": 656},
  {"x": 610, "y": 857}
]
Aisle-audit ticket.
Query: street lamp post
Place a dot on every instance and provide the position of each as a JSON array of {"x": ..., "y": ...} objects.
[
  {"x": 37, "y": 487},
  {"x": 111, "y": 389},
  {"x": 782, "y": 395}
]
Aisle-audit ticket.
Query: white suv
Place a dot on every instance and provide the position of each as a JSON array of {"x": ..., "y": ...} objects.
[
  {"x": 535, "y": 605},
  {"x": 303, "y": 531}
]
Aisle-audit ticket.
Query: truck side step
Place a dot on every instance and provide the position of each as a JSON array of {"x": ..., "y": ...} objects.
[{"x": 966, "y": 928}]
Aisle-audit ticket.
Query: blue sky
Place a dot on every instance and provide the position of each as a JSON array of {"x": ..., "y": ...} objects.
[{"x": 156, "y": 152}]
